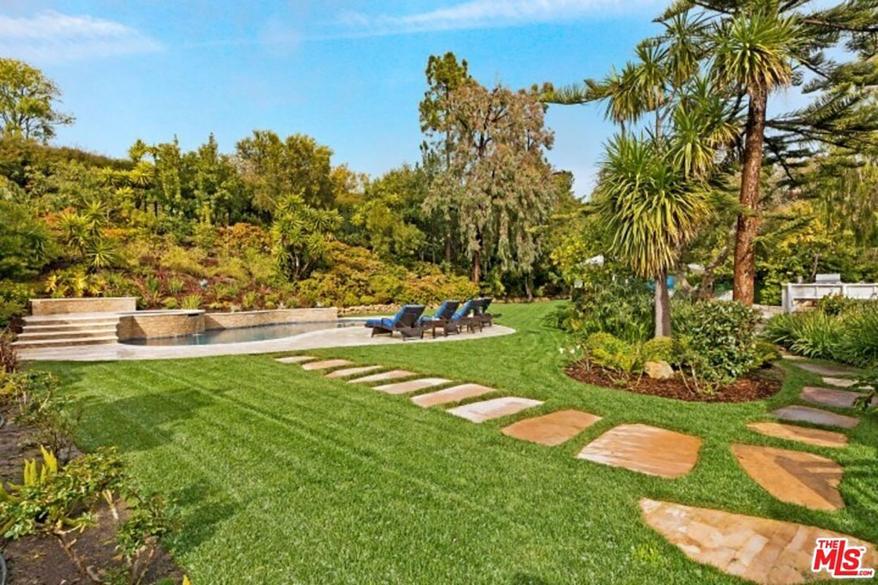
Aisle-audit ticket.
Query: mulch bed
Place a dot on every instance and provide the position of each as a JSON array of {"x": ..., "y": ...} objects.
[
  {"x": 756, "y": 386},
  {"x": 39, "y": 559}
]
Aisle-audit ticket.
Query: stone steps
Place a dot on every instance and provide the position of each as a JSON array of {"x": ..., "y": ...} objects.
[{"x": 56, "y": 331}]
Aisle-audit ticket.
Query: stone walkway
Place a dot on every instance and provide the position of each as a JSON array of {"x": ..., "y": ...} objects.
[
  {"x": 646, "y": 449},
  {"x": 553, "y": 428},
  {"x": 816, "y": 437},
  {"x": 760, "y": 549},
  {"x": 816, "y": 416},
  {"x": 478, "y": 412},
  {"x": 411, "y": 386},
  {"x": 794, "y": 477},
  {"x": 766, "y": 551},
  {"x": 450, "y": 395}
]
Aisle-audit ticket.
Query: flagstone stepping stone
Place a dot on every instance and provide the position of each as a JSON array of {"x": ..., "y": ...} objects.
[
  {"x": 553, "y": 428},
  {"x": 831, "y": 397},
  {"x": 822, "y": 370},
  {"x": 348, "y": 372},
  {"x": 769, "y": 552},
  {"x": 326, "y": 364},
  {"x": 449, "y": 395},
  {"x": 646, "y": 449},
  {"x": 816, "y": 416},
  {"x": 817, "y": 437},
  {"x": 839, "y": 382},
  {"x": 383, "y": 376},
  {"x": 296, "y": 359},
  {"x": 478, "y": 412},
  {"x": 795, "y": 477},
  {"x": 411, "y": 385}
]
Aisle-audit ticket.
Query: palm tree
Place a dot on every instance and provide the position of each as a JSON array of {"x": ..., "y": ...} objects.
[
  {"x": 651, "y": 212},
  {"x": 753, "y": 51}
]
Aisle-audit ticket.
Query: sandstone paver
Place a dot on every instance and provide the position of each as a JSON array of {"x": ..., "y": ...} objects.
[
  {"x": 646, "y": 449},
  {"x": 383, "y": 377},
  {"x": 326, "y": 364},
  {"x": 553, "y": 428},
  {"x": 495, "y": 408},
  {"x": 822, "y": 370},
  {"x": 769, "y": 552},
  {"x": 816, "y": 416},
  {"x": 453, "y": 394},
  {"x": 817, "y": 437},
  {"x": 348, "y": 372},
  {"x": 831, "y": 397},
  {"x": 795, "y": 477},
  {"x": 840, "y": 382},
  {"x": 411, "y": 385},
  {"x": 296, "y": 359}
]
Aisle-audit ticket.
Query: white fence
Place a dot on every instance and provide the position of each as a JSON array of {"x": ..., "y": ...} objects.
[{"x": 792, "y": 293}]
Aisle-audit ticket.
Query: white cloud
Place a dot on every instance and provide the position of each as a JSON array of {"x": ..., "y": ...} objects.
[
  {"x": 475, "y": 14},
  {"x": 52, "y": 37}
]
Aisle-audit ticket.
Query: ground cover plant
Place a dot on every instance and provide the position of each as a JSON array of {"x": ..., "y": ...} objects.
[{"x": 282, "y": 475}]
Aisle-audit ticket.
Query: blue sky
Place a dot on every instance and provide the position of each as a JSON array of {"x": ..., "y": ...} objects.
[{"x": 349, "y": 73}]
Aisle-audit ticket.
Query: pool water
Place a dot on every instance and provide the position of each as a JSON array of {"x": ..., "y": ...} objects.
[{"x": 244, "y": 334}]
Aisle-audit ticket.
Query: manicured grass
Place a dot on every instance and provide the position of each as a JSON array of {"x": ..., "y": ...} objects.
[{"x": 285, "y": 477}]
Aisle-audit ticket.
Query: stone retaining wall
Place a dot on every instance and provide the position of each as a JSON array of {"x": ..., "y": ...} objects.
[
  {"x": 40, "y": 307},
  {"x": 257, "y": 318}
]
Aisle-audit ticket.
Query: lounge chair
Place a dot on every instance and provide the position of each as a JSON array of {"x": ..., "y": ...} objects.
[
  {"x": 405, "y": 321},
  {"x": 480, "y": 311},
  {"x": 464, "y": 316},
  {"x": 441, "y": 318}
]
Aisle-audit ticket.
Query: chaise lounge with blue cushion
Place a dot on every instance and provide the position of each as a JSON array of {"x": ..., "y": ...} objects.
[
  {"x": 405, "y": 321},
  {"x": 465, "y": 316},
  {"x": 440, "y": 318},
  {"x": 480, "y": 311}
]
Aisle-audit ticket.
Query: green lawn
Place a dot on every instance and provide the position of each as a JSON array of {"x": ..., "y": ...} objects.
[{"x": 284, "y": 477}]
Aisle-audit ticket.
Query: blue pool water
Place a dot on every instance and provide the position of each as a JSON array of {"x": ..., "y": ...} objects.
[{"x": 243, "y": 334}]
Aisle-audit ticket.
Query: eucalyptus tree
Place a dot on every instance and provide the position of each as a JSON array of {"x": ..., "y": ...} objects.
[
  {"x": 27, "y": 102},
  {"x": 498, "y": 178}
]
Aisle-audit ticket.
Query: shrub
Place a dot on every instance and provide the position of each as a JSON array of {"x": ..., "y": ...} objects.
[
  {"x": 612, "y": 300},
  {"x": 816, "y": 335},
  {"x": 658, "y": 349},
  {"x": 766, "y": 353},
  {"x": 715, "y": 340},
  {"x": 185, "y": 260},
  {"x": 8, "y": 355},
  {"x": 611, "y": 352},
  {"x": 191, "y": 302},
  {"x": 13, "y": 301},
  {"x": 859, "y": 337}
]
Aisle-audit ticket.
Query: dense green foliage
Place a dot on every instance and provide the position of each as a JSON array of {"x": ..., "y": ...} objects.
[
  {"x": 287, "y": 475},
  {"x": 841, "y": 331}
]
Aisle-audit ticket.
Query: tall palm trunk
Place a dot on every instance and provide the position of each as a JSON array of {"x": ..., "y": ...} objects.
[
  {"x": 662, "y": 306},
  {"x": 748, "y": 219}
]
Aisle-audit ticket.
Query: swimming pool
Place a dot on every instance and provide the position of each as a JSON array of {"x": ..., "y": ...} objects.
[{"x": 245, "y": 334}]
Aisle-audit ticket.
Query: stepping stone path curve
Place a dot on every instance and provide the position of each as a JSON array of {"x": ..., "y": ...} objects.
[
  {"x": 348, "y": 372},
  {"x": 478, "y": 412},
  {"x": 831, "y": 397},
  {"x": 383, "y": 377},
  {"x": 795, "y": 477},
  {"x": 453, "y": 394},
  {"x": 326, "y": 364},
  {"x": 296, "y": 359},
  {"x": 411, "y": 386},
  {"x": 769, "y": 552},
  {"x": 839, "y": 382},
  {"x": 816, "y": 416},
  {"x": 645, "y": 449},
  {"x": 816, "y": 437},
  {"x": 553, "y": 428}
]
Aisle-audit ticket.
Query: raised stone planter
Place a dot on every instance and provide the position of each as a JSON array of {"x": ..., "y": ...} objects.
[
  {"x": 145, "y": 324},
  {"x": 41, "y": 307}
]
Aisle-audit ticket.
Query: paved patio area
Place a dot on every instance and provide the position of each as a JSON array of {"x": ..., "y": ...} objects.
[{"x": 335, "y": 337}]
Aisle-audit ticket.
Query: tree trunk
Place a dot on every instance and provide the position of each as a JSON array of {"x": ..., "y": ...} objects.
[
  {"x": 477, "y": 266},
  {"x": 748, "y": 219},
  {"x": 662, "y": 306},
  {"x": 448, "y": 251},
  {"x": 528, "y": 289}
]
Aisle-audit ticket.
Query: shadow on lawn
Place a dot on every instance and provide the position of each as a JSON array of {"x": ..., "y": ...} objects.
[{"x": 203, "y": 508}]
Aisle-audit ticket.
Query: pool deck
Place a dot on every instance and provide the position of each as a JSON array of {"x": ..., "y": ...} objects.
[{"x": 326, "y": 338}]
